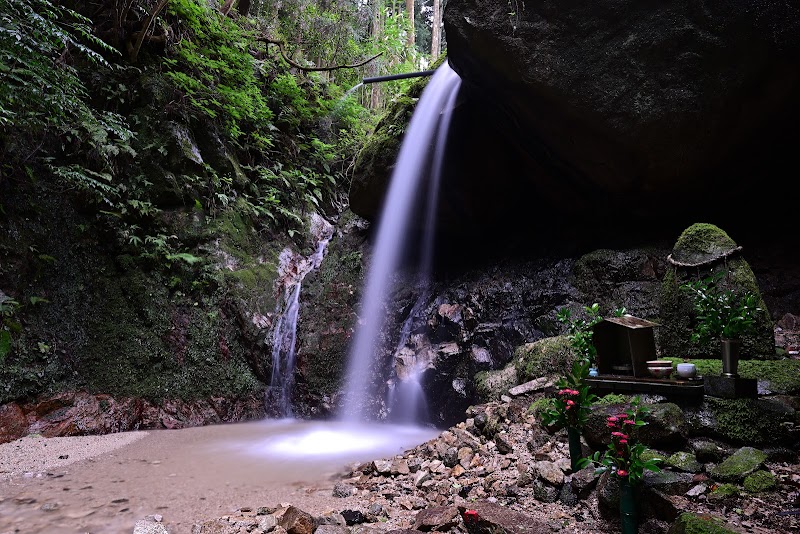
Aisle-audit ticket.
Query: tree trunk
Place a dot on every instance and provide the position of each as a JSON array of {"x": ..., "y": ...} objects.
[
  {"x": 410, "y": 13},
  {"x": 376, "y": 100},
  {"x": 436, "y": 30}
]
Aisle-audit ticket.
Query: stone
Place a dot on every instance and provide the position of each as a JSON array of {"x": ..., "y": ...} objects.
[
  {"x": 342, "y": 490},
  {"x": 149, "y": 527},
  {"x": 669, "y": 482},
  {"x": 549, "y": 472},
  {"x": 296, "y": 521},
  {"x": 760, "y": 481},
  {"x": 331, "y": 529},
  {"x": 437, "y": 518},
  {"x": 532, "y": 386},
  {"x": 382, "y": 467},
  {"x": 584, "y": 481},
  {"x": 420, "y": 477},
  {"x": 13, "y": 423},
  {"x": 697, "y": 490},
  {"x": 730, "y": 388},
  {"x": 707, "y": 451},
  {"x": 504, "y": 445},
  {"x": 684, "y": 461},
  {"x": 353, "y": 517},
  {"x": 544, "y": 492},
  {"x": 485, "y": 516},
  {"x": 400, "y": 467},
  {"x": 738, "y": 465},
  {"x": 689, "y": 523}
]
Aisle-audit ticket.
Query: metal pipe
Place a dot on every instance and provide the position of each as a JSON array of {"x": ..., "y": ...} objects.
[{"x": 397, "y": 76}]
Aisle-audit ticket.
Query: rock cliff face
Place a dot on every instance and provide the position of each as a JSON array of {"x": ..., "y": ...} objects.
[
  {"x": 644, "y": 109},
  {"x": 637, "y": 118}
]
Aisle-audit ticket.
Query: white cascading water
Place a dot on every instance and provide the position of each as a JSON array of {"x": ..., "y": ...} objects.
[
  {"x": 284, "y": 336},
  {"x": 426, "y": 132}
]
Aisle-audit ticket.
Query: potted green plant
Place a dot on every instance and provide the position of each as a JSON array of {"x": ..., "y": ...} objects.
[
  {"x": 624, "y": 459},
  {"x": 570, "y": 408},
  {"x": 725, "y": 314}
]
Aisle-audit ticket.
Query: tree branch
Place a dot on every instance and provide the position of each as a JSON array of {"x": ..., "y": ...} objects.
[
  {"x": 145, "y": 27},
  {"x": 280, "y": 45}
]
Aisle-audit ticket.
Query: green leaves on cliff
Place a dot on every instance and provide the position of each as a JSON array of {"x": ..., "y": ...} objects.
[{"x": 213, "y": 68}]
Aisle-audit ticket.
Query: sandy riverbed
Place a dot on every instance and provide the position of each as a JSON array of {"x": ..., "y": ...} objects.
[{"x": 104, "y": 484}]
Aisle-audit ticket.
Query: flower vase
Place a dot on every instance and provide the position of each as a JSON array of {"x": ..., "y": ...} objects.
[
  {"x": 575, "y": 450},
  {"x": 627, "y": 507}
]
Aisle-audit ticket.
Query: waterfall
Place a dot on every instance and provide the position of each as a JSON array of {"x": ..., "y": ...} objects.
[
  {"x": 421, "y": 156},
  {"x": 284, "y": 336}
]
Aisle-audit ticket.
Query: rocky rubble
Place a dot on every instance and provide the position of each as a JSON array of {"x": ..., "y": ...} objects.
[{"x": 501, "y": 471}]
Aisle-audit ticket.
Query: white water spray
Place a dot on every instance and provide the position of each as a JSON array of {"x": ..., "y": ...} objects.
[
  {"x": 284, "y": 337},
  {"x": 426, "y": 132}
]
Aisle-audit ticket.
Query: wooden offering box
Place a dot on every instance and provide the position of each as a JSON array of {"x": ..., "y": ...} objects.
[{"x": 624, "y": 342}]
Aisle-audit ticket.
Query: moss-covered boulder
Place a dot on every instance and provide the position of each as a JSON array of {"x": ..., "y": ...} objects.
[
  {"x": 738, "y": 465},
  {"x": 689, "y": 523},
  {"x": 724, "y": 491},
  {"x": 490, "y": 385},
  {"x": 704, "y": 250},
  {"x": 756, "y": 422},
  {"x": 684, "y": 461},
  {"x": 376, "y": 160},
  {"x": 666, "y": 426},
  {"x": 546, "y": 357},
  {"x": 760, "y": 481}
]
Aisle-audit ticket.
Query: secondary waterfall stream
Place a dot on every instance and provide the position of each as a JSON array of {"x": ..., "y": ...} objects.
[
  {"x": 420, "y": 157},
  {"x": 284, "y": 336}
]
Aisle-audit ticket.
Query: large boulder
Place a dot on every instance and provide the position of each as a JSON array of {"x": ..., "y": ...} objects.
[
  {"x": 639, "y": 111},
  {"x": 704, "y": 250}
]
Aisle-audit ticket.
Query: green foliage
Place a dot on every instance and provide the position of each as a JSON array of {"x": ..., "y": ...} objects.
[
  {"x": 213, "y": 68},
  {"x": 39, "y": 41},
  {"x": 625, "y": 457},
  {"x": 8, "y": 308},
  {"x": 580, "y": 331},
  {"x": 572, "y": 405},
  {"x": 721, "y": 313}
]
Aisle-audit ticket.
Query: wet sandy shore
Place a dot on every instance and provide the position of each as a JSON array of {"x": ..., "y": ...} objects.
[{"x": 104, "y": 484}]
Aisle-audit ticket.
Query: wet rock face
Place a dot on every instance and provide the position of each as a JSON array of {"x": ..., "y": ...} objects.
[{"x": 637, "y": 105}]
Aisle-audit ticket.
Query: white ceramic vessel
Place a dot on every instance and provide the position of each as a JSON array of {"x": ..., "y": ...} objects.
[{"x": 687, "y": 370}]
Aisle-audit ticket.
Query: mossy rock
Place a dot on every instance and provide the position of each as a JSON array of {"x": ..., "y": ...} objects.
[
  {"x": 701, "y": 244},
  {"x": 707, "y": 242},
  {"x": 742, "y": 421},
  {"x": 684, "y": 461},
  {"x": 724, "y": 491},
  {"x": 738, "y": 465},
  {"x": 760, "y": 481},
  {"x": 375, "y": 162},
  {"x": 546, "y": 357},
  {"x": 689, "y": 523},
  {"x": 490, "y": 385}
]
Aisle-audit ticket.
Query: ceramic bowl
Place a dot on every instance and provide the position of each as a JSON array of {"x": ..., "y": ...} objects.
[{"x": 660, "y": 372}]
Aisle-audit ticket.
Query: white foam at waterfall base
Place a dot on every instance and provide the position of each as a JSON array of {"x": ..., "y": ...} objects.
[{"x": 331, "y": 441}]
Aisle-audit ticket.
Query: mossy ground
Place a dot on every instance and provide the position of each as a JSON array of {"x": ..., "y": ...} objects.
[{"x": 783, "y": 376}]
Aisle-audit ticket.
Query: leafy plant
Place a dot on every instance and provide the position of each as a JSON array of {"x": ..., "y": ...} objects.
[
  {"x": 571, "y": 406},
  {"x": 624, "y": 455},
  {"x": 580, "y": 331},
  {"x": 8, "y": 307},
  {"x": 721, "y": 313}
]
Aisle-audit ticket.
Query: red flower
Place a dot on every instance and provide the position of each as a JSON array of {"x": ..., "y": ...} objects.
[
  {"x": 570, "y": 403},
  {"x": 471, "y": 516},
  {"x": 629, "y": 422},
  {"x": 611, "y": 425},
  {"x": 611, "y": 419},
  {"x": 623, "y": 441},
  {"x": 622, "y": 473},
  {"x": 565, "y": 392},
  {"x": 619, "y": 435}
]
